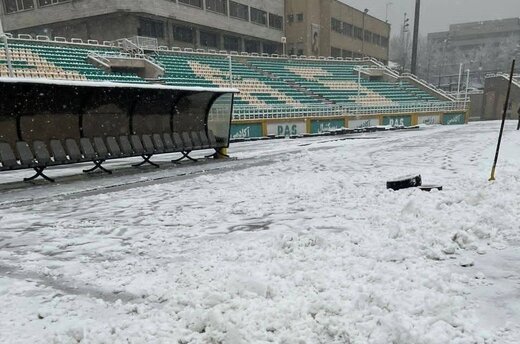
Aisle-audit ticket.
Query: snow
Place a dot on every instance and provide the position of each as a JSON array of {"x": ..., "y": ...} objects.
[
  {"x": 113, "y": 84},
  {"x": 297, "y": 241}
]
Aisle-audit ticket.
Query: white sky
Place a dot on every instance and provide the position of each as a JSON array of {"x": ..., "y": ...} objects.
[{"x": 436, "y": 15}]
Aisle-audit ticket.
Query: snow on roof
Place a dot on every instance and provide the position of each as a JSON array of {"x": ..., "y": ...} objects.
[{"x": 115, "y": 84}]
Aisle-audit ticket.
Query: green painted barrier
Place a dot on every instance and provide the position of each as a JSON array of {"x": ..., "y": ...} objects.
[
  {"x": 244, "y": 131},
  {"x": 453, "y": 118},
  {"x": 321, "y": 126},
  {"x": 398, "y": 121}
]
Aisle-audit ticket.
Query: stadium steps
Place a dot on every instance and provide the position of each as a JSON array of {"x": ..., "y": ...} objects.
[{"x": 291, "y": 84}]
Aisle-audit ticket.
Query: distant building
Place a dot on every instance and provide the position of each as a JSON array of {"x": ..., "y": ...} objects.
[
  {"x": 312, "y": 27},
  {"x": 494, "y": 98},
  {"x": 484, "y": 47},
  {"x": 240, "y": 25},
  {"x": 332, "y": 28}
]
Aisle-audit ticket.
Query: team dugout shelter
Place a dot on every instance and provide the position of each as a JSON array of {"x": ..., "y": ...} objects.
[{"x": 46, "y": 123}]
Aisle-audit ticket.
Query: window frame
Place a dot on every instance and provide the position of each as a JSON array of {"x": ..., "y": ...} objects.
[
  {"x": 208, "y": 33},
  {"x": 226, "y": 9},
  {"x": 193, "y": 33},
  {"x": 18, "y": 10},
  {"x": 262, "y": 13},
  {"x": 182, "y": 2},
  {"x": 238, "y": 5},
  {"x": 53, "y": 3},
  {"x": 155, "y": 24},
  {"x": 277, "y": 18}
]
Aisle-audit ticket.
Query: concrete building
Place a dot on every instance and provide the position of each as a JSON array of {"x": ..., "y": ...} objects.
[
  {"x": 332, "y": 28},
  {"x": 313, "y": 27},
  {"x": 495, "y": 93},
  {"x": 240, "y": 25},
  {"x": 484, "y": 47}
]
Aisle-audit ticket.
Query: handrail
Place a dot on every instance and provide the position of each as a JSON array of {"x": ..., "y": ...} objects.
[
  {"x": 129, "y": 46},
  {"x": 516, "y": 77},
  {"x": 101, "y": 59},
  {"x": 104, "y": 58},
  {"x": 251, "y": 112},
  {"x": 427, "y": 85}
]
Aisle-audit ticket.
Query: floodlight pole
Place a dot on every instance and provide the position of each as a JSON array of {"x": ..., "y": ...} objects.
[
  {"x": 467, "y": 86},
  {"x": 358, "y": 88},
  {"x": 415, "y": 42},
  {"x": 460, "y": 77},
  {"x": 503, "y": 122},
  {"x": 230, "y": 71},
  {"x": 7, "y": 51},
  {"x": 365, "y": 12},
  {"x": 388, "y": 4}
]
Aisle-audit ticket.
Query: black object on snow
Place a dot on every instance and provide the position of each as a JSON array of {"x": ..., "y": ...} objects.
[
  {"x": 404, "y": 182},
  {"x": 430, "y": 187}
]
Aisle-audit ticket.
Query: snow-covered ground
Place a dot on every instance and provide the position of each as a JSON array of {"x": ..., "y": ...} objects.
[{"x": 297, "y": 241}]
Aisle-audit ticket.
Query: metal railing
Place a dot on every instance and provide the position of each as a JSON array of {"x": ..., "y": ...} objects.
[
  {"x": 7, "y": 53},
  {"x": 145, "y": 43},
  {"x": 129, "y": 46},
  {"x": 427, "y": 85},
  {"x": 102, "y": 58},
  {"x": 249, "y": 112},
  {"x": 516, "y": 77}
]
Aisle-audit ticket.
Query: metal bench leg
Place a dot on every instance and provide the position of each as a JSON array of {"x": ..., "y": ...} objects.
[
  {"x": 97, "y": 165},
  {"x": 185, "y": 155},
  {"x": 146, "y": 161},
  {"x": 217, "y": 155},
  {"x": 39, "y": 173}
]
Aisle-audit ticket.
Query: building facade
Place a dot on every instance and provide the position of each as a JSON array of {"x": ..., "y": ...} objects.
[
  {"x": 332, "y": 28},
  {"x": 484, "y": 47},
  {"x": 235, "y": 25}
]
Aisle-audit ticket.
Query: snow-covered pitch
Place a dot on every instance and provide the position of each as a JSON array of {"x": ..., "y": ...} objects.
[{"x": 297, "y": 241}]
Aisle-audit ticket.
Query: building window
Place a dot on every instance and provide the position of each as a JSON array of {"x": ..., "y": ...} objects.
[
  {"x": 299, "y": 17},
  {"x": 290, "y": 18},
  {"x": 208, "y": 39},
  {"x": 275, "y": 21},
  {"x": 231, "y": 43},
  {"x": 347, "y": 29},
  {"x": 376, "y": 39},
  {"x": 346, "y": 53},
  {"x": 335, "y": 25},
  {"x": 335, "y": 52},
  {"x": 384, "y": 42},
  {"x": 258, "y": 16},
  {"x": 183, "y": 34},
  {"x": 252, "y": 46},
  {"x": 150, "y": 28},
  {"x": 368, "y": 36},
  {"x": 300, "y": 52},
  {"x": 194, "y": 3},
  {"x": 12, "y": 6},
  {"x": 237, "y": 10},
  {"x": 358, "y": 32},
  {"x": 271, "y": 48},
  {"x": 43, "y": 3},
  {"x": 219, "y": 6}
]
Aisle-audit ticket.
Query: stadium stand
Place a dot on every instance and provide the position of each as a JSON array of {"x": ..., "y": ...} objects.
[
  {"x": 271, "y": 87},
  {"x": 34, "y": 59},
  {"x": 263, "y": 82}
]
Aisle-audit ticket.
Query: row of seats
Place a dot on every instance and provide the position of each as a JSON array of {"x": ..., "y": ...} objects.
[
  {"x": 52, "y": 61},
  {"x": 97, "y": 150}
]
